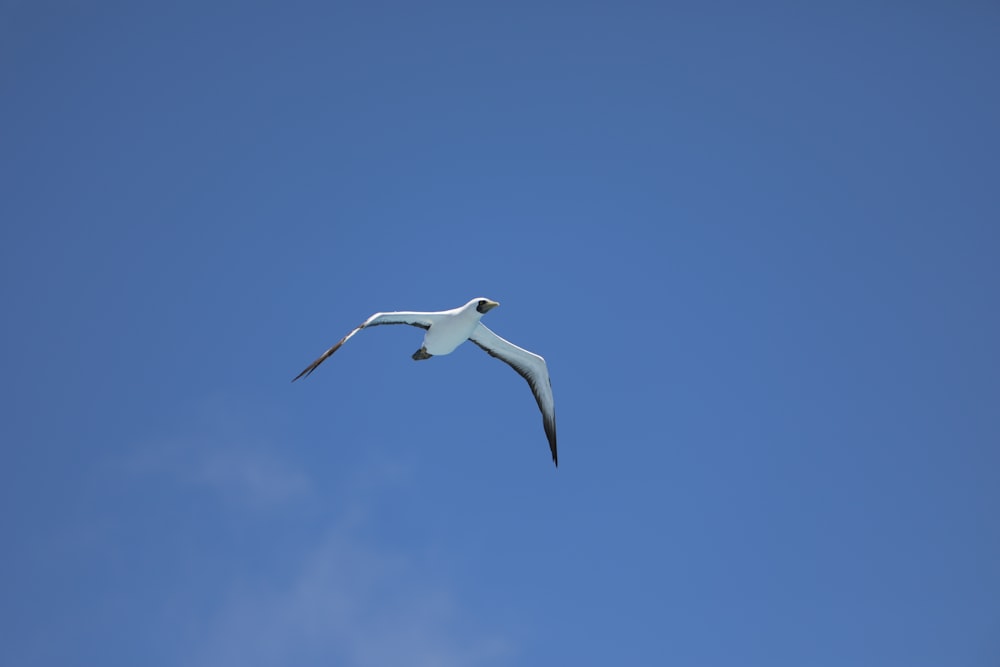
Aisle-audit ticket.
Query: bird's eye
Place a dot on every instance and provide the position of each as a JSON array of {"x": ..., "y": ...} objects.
[{"x": 482, "y": 302}]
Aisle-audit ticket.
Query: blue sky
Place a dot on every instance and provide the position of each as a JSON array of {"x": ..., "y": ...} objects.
[{"x": 757, "y": 246}]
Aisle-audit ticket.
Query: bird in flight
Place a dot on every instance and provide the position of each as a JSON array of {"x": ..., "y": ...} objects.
[{"x": 447, "y": 329}]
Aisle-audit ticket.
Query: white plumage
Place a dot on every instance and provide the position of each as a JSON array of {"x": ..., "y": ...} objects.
[{"x": 447, "y": 329}]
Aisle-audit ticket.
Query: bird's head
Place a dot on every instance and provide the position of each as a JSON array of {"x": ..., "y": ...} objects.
[{"x": 484, "y": 305}]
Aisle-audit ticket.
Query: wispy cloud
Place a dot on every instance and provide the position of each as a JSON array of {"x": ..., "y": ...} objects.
[
  {"x": 239, "y": 470},
  {"x": 252, "y": 475},
  {"x": 341, "y": 600},
  {"x": 349, "y": 604}
]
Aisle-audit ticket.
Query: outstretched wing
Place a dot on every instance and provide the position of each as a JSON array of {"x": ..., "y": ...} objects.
[
  {"x": 422, "y": 320},
  {"x": 532, "y": 368}
]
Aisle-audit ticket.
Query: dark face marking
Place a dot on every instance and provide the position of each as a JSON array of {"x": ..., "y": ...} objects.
[{"x": 481, "y": 306}]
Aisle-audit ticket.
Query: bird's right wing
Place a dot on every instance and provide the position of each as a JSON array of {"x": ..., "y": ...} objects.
[
  {"x": 532, "y": 368},
  {"x": 413, "y": 318}
]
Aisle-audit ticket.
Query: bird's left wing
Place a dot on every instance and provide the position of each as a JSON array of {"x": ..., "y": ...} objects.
[
  {"x": 532, "y": 368},
  {"x": 413, "y": 318}
]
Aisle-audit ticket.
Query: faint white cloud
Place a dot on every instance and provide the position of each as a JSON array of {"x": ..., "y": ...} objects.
[
  {"x": 240, "y": 471},
  {"x": 342, "y": 601},
  {"x": 254, "y": 475},
  {"x": 352, "y": 605}
]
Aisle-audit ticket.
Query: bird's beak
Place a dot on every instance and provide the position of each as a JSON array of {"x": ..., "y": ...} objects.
[{"x": 490, "y": 305}]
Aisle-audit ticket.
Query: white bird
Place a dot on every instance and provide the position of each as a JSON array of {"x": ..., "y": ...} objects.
[{"x": 447, "y": 329}]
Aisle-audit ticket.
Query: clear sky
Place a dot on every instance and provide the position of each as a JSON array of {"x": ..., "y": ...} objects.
[{"x": 756, "y": 242}]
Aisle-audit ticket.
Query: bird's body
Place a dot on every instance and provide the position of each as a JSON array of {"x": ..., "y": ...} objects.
[
  {"x": 450, "y": 329},
  {"x": 447, "y": 329}
]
